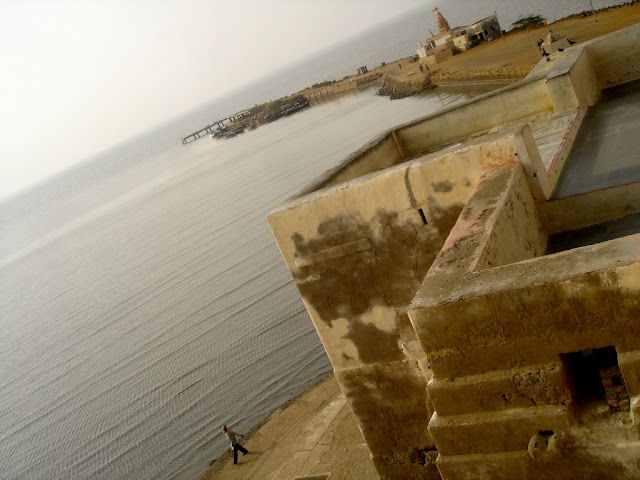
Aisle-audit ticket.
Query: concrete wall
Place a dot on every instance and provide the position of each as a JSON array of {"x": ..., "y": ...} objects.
[
  {"x": 382, "y": 152},
  {"x": 576, "y": 76},
  {"x": 485, "y": 25},
  {"x": 461, "y": 42},
  {"x": 457, "y": 123},
  {"x": 494, "y": 333},
  {"x": 592, "y": 208},
  {"x": 358, "y": 255},
  {"x": 479, "y": 115},
  {"x": 564, "y": 149},
  {"x": 517, "y": 233},
  {"x": 572, "y": 80},
  {"x": 616, "y": 57},
  {"x": 443, "y": 40}
]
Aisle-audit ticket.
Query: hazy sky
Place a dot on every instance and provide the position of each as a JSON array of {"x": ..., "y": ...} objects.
[{"x": 78, "y": 76}]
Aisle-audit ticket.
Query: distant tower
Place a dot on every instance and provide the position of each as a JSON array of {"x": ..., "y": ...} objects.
[{"x": 441, "y": 22}]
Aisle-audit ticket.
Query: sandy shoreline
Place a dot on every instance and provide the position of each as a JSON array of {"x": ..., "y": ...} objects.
[
  {"x": 220, "y": 462},
  {"x": 310, "y": 434}
]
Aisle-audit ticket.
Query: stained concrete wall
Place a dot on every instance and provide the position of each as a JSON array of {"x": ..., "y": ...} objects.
[
  {"x": 358, "y": 255},
  {"x": 494, "y": 336},
  {"x": 329, "y": 237}
]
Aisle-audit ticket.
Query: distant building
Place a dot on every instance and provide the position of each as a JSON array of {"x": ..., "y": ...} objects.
[
  {"x": 449, "y": 41},
  {"x": 441, "y": 42},
  {"x": 483, "y": 31},
  {"x": 362, "y": 70}
]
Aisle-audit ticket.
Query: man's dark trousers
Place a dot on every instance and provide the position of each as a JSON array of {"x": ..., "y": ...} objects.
[{"x": 237, "y": 447}]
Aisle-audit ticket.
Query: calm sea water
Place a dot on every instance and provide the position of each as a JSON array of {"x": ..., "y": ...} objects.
[
  {"x": 145, "y": 310},
  {"x": 144, "y": 301}
]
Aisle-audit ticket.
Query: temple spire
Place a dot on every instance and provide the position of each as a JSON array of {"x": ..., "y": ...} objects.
[{"x": 441, "y": 22}]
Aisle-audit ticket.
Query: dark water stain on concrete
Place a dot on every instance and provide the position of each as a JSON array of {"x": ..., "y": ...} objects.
[
  {"x": 407, "y": 182},
  {"x": 443, "y": 218},
  {"x": 443, "y": 187},
  {"x": 387, "y": 273},
  {"x": 391, "y": 404},
  {"x": 588, "y": 311},
  {"x": 374, "y": 343}
]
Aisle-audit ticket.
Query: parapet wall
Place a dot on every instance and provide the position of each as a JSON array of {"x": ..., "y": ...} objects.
[
  {"x": 475, "y": 117},
  {"x": 495, "y": 329},
  {"x": 358, "y": 255},
  {"x": 570, "y": 80},
  {"x": 616, "y": 57}
]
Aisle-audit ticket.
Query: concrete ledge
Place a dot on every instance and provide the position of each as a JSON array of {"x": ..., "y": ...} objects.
[
  {"x": 486, "y": 333},
  {"x": 591, "y": 208},
  {"x": 536, "y": 385},
  {"x": 561, "y": 155},
  {"x": 503, "y": 106},
  {"x": 518, "y": 465},
  {"x": 489, "y": 432},
  {"x": 629, "y": 363}
]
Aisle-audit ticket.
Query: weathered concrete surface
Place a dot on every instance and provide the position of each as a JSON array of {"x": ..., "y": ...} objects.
[
  {"x": 621, "y": 227},
  {"x": 590, "y": 208},
  {"x": 607, "y": 149},
  {"x": 493, "y": 333}
]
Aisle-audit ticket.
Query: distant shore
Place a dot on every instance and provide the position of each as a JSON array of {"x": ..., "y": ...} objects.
[{"x": 501, "y": 61}]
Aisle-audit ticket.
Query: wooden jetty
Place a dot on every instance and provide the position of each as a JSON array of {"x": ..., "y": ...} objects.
[{"x": 209, "y": 129}]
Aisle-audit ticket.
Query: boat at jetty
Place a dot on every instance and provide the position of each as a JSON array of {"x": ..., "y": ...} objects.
[
  {"x": 250, "y": 119},
  {"x": 226, "y": 132},
  {"x": 287, "y": 110}
]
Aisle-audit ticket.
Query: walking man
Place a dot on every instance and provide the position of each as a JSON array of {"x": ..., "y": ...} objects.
[{"x": 235, "y": 446}]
